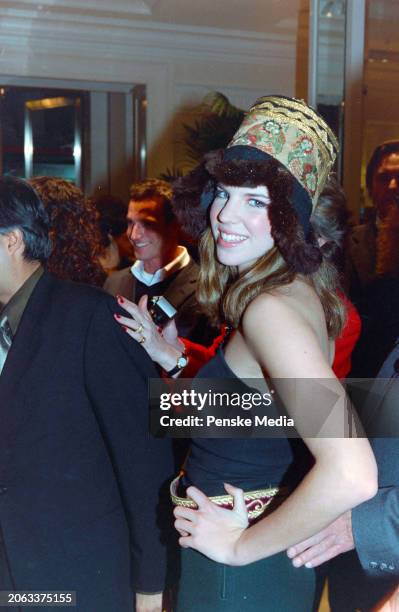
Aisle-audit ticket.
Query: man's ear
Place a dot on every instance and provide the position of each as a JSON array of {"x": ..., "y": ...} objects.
[{"x": 15, "y": 241}]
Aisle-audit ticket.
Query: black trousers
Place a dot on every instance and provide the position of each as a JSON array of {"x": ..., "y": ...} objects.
[{"x": 269, "y": 585}]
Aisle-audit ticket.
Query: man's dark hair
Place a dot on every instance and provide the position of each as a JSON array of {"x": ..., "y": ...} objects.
[
  {"x": 21, "y": 208},
  {"x": 330, "y": 221},
  {"x": 157, "y": 189},
  {"x": 111, "y": 216},
  {"x": 384, "y": 149}
]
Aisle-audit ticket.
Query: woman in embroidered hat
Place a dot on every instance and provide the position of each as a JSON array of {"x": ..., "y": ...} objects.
[{"x": 243, "y": 502}]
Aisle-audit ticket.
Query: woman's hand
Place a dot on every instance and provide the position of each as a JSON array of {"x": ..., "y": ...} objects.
[
  {"x": 148, "y": 603},
  {"x": 214, "y": 531},
  {"x": 162, "y": 345}
]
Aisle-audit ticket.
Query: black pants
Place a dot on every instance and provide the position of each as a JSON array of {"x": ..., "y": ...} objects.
[{"x": 270, "y": 584}]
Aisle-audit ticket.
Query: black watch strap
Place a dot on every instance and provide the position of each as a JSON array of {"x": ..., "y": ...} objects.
[
  {"x": 174, "y": 370},
  {"x": 178, "y": 367}
]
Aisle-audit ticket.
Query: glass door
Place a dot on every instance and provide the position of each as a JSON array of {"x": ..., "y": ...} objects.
[
  {"x": 335, "y": 81},
  {"x": 381, "y": 85}
]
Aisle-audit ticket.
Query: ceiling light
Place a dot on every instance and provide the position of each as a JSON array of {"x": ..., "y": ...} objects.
[{"x": 46, "y": 103}]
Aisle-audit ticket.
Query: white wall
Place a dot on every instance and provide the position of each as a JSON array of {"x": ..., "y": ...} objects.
[{"x": 84, "y": 41}]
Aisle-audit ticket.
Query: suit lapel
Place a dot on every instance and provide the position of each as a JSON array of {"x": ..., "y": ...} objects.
[
  {"x": 132, "y": 287},
  {"x": 25, "y": 342},
  {"x": 128, "y": 286},
  {"x": 183, "y": 285}
]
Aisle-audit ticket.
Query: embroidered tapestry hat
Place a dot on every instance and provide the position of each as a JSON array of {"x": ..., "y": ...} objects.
[{"x": 283, "y": 144}]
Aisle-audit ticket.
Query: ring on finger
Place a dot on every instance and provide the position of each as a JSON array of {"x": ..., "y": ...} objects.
[
  {"x": 142, "y": 340},
  {"x": 139, "y": 329}
]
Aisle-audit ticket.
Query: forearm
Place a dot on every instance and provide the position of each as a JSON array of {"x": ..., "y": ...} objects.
[{"x": 322, "y": 496}]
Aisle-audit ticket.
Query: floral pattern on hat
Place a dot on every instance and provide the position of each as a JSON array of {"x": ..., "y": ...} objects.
[
  {"x": 266, "y": 135},
  {"x": 305, "y": 166},
  {"x": 292, "y": 133},
  {"x": 286, "y": 143}
]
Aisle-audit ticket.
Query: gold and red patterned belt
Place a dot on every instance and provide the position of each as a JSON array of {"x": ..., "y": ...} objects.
[{"x": 255, "y": 501}]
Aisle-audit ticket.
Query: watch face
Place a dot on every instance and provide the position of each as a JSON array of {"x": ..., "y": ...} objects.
[{"x": 182, "y": 361}]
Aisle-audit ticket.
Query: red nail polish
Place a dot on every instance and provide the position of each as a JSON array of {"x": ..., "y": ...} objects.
[
  {"x": 117, "y": 316},
  {"x": 120, "y": 299}
]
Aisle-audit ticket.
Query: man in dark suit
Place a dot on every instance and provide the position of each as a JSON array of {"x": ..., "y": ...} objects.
[
  {"x": 162, "y": 266},
  {"x": 365, "y": 248},
  {"x": 364, "y": 542},
  {"x": 80, "y": 476},
  {"x": 376, "y": 258}
]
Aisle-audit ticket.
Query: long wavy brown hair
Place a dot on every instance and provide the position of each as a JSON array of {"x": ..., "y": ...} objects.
[
  {"x": 225, "y": 293},
  {"x": 74, "y": 231}
]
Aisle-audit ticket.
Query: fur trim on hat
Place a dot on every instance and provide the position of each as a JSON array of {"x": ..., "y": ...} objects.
[
  {"x": 302, "y": 256},
  {"x": 186, "y": 200}
]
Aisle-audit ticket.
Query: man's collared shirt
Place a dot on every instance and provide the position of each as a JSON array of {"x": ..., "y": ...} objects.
[
  {"x": 14, "y": 309},
  {"x": 181, "y": 261}
]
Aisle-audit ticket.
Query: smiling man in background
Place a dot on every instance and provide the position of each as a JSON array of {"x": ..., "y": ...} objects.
[{"x": 162, "y": 266}]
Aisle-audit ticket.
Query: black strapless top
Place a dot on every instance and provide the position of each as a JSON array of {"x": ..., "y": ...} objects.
[{"x": 251, "y": 463}]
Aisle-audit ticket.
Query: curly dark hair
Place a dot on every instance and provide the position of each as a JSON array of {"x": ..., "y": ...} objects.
[{"x": 74, "y": 231}]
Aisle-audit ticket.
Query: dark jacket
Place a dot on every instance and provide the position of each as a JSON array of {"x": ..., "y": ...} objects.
[
  {"x": 361, "y": 251},
  {"x": 190, "y": 322},
  {"x": 80, "y": 475},
  {"x": 376, "y": 522},
  {"x": 379, "y": 310},
  {"x": 360, "y": 578}
]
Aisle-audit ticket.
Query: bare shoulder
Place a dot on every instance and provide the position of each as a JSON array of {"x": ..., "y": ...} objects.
[
  {"x": 286, "y": 331},
  {"x": 296, "y": 303}
]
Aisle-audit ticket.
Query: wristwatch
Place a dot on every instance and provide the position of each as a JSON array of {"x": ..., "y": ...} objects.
[{"x": 181, "y": 363}]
